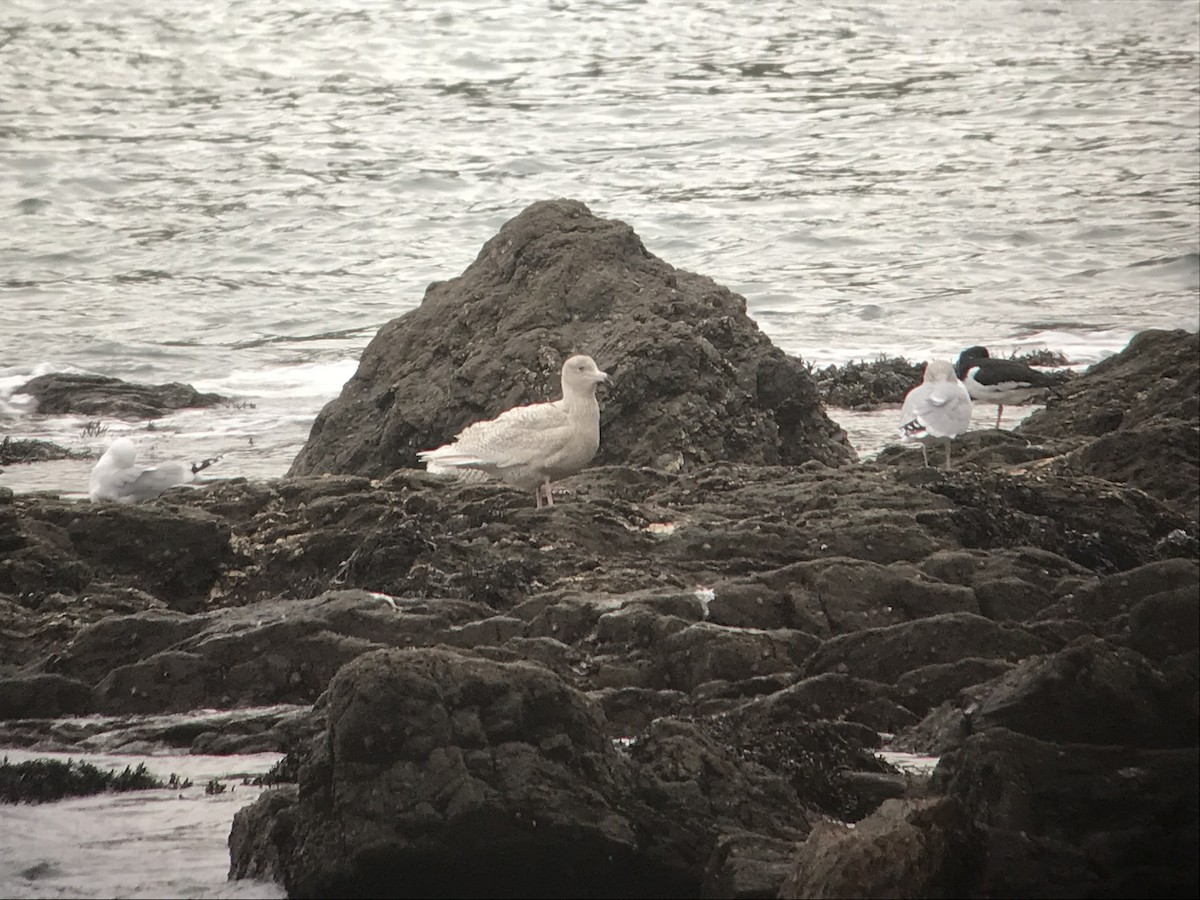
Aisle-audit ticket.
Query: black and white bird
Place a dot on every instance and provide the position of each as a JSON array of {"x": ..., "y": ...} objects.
[
  {"x": 1003, "y": 381},
  {"x": 118, "y": 477},
  {"x": 937, "y": 409},
  {"x": 528, "y": 446}
]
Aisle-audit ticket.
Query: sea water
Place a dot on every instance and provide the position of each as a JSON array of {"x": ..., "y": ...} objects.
[
  {"x": 164, "y": 842},
  {"x": 237, "y": 195}
]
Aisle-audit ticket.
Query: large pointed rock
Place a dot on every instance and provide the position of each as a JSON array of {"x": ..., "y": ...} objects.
[{"x": 693, "y": 379}]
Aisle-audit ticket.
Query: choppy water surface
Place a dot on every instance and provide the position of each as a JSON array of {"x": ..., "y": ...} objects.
[
  {"x": 237, "y": 195},
  {"x": 168, "y": 842}
]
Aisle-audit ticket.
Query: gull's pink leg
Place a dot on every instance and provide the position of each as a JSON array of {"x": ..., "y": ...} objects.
[
  {"x": 999, "y": 413},
  {"x": 549, "y": 492}
]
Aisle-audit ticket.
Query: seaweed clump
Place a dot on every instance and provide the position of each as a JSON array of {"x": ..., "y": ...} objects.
[
  {"x": 867, "y": 385},
  {"x": 45, "y": 780}
]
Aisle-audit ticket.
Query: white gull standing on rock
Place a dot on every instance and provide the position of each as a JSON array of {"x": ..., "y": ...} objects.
[
  {"x": 116, "y": 477},
  {"x": 939, "y": 408},
  {"x": 528, "y": 446}
]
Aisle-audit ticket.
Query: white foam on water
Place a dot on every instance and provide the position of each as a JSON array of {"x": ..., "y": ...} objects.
[
  {"x": 916, "y": 763},
  {"x": 312, "y": 379},
  {"x": 166, "y": 842},
  {"x": 257, "y": 433}
]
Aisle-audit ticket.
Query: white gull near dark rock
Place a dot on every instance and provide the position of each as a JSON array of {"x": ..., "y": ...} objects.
[
  {"x": 118, "y": 477},
  {"x": 939, "y": 408},
  {"x": 1002, "y": 381},
  {"x": 530, "y": 446}
]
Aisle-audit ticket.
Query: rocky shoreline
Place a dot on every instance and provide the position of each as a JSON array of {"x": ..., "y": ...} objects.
[{"x": 677, "y": 680}]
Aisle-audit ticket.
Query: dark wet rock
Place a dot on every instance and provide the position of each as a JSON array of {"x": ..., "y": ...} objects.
[
  {"x": 1076, "y": 773},
  {"x": 778, "y": 557},
  {"x": 264, "y": 653},
  {"x": 411, "y": 535},
  {"x": 994, "y": 510},
  {"x": 1134, "y": 418},
  {"x": 634, "y": 624},
  {"x": 1137, "y": 457},
  {"x": 40, "y": 625},
  {"x": 43, "y": 696},
  {"x": 492, "y": 631},
  {"x": 60, "y": 393},
  {"x": 1011, "y": 599},
  {"x": 220, "y": 732},
  {"x": 700, "y": 781},
  {"x": 1044, "y": 358},
  {"x": 814, "y": 751},
  {"x": 630, "y": 710},
  {"x": 11, "y": 537},
  {"x": 1089, "y": 693},
  {"x": 885, "y": 654},
  {"x": 33, "y": 451},
  {"x": 1065, "y": 819},
  {"x": 693, "y": 379},
  {"x": 1044, "y": 571},
  {"x": 454, "y": 775},
  {"x": 175, "y": 555},
  {"x": 571, "y": 618},
  {"x": 553, "y": 655},
  {"x": 706, "y": 652},
  {"x": 923, "y": 688},
  {"x": 258, "y": 730},
  {"x": 1156, "y": 376},
  {"x": 1110, "y": 599},
  {"x": 1060, "y": 632},
  {"x": 718, "y": 696},
  {"x": 1166, "y": 623},
  {"x": 171, "y": 679},
  {"x": 943, "y": 728},
  {"x": 841, "y": 698},
  {"x": 872, "y": 789},
  {"x": 116, "y": 640},
  {"x": 835, "y": 596},
  {"x": 747, "y": 865},
  {"x": 908, "y": 848}
]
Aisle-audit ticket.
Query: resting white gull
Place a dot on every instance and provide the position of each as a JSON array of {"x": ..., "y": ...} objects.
[
  {"x": 1002, "y": 381},
  {"x": 529, "y": 446},
  {"x": 939, "y": 408},
  {"x": 117, "y": 477}
]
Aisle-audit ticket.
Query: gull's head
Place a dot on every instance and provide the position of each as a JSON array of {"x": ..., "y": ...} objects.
[
  {"x": 939, "y": 370},
  {"x": 121, "y": 452},
  {"x": 580, "y": 372}
]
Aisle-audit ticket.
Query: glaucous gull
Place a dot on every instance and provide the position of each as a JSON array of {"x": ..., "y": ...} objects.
[{"x": 529, "y": 446}]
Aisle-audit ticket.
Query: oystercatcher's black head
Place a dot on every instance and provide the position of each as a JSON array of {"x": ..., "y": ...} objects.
[{"x": 967, "y": 357}]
